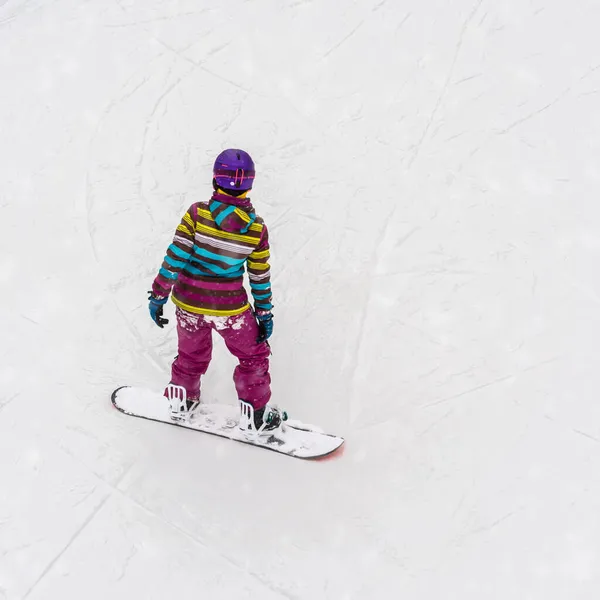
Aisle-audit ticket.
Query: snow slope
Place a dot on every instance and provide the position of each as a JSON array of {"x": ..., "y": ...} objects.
[{"x": 429, "y": 172}]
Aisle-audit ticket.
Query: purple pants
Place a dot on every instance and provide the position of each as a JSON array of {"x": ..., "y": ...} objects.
[{"x": 251, "y": 376}]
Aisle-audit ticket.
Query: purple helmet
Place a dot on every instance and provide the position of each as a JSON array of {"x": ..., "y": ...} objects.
[{"x": 234, "y": 170}]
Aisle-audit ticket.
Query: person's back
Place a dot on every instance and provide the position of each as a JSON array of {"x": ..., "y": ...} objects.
[
  {"x": 214, "y": 243},
  {"x": 204, "y": 268}
]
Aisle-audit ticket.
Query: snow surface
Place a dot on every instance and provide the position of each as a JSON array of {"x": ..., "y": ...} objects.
[{"x": 430, "y": 172}]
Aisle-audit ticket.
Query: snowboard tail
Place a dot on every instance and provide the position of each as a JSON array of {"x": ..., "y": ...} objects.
[{"x": 293, "y": 439}]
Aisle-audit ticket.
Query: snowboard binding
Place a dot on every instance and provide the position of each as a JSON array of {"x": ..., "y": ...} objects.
[
  {"x": 262, "y": 421},
  {"x": 182, "y": 409}
]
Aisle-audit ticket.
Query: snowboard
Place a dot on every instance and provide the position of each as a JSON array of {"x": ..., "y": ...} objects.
[{"x": 293, "y": 438}]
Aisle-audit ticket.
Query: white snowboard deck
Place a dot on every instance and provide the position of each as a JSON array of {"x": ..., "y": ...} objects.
[{"x": 293, "y": 438}]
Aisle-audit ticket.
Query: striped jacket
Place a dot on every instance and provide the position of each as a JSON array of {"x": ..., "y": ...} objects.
[{"x": 204, "y": 266}]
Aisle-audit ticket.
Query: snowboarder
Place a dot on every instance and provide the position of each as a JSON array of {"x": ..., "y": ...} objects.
[{"x": 203, "y": 272}]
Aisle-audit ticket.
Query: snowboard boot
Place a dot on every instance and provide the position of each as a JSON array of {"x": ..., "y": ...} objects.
[
  {"x": 261, "y": 420},
  {"x": 182, "y": 407}
]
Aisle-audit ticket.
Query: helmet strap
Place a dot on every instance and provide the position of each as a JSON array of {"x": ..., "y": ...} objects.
[{"x": 234, "y": 193}]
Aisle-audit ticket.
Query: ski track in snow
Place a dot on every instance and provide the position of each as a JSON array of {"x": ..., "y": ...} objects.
[{"x": 429, "y": 175}]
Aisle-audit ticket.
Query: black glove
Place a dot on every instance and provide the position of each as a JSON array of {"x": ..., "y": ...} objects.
[
  {"x": 156, "y": 309},
  {"x": 265, "y": 326}
]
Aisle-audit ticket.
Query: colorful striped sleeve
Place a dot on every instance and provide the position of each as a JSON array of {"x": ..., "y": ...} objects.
[
  {"x": 259, "y": 273},
  {"x": 178, "y": 254}
]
